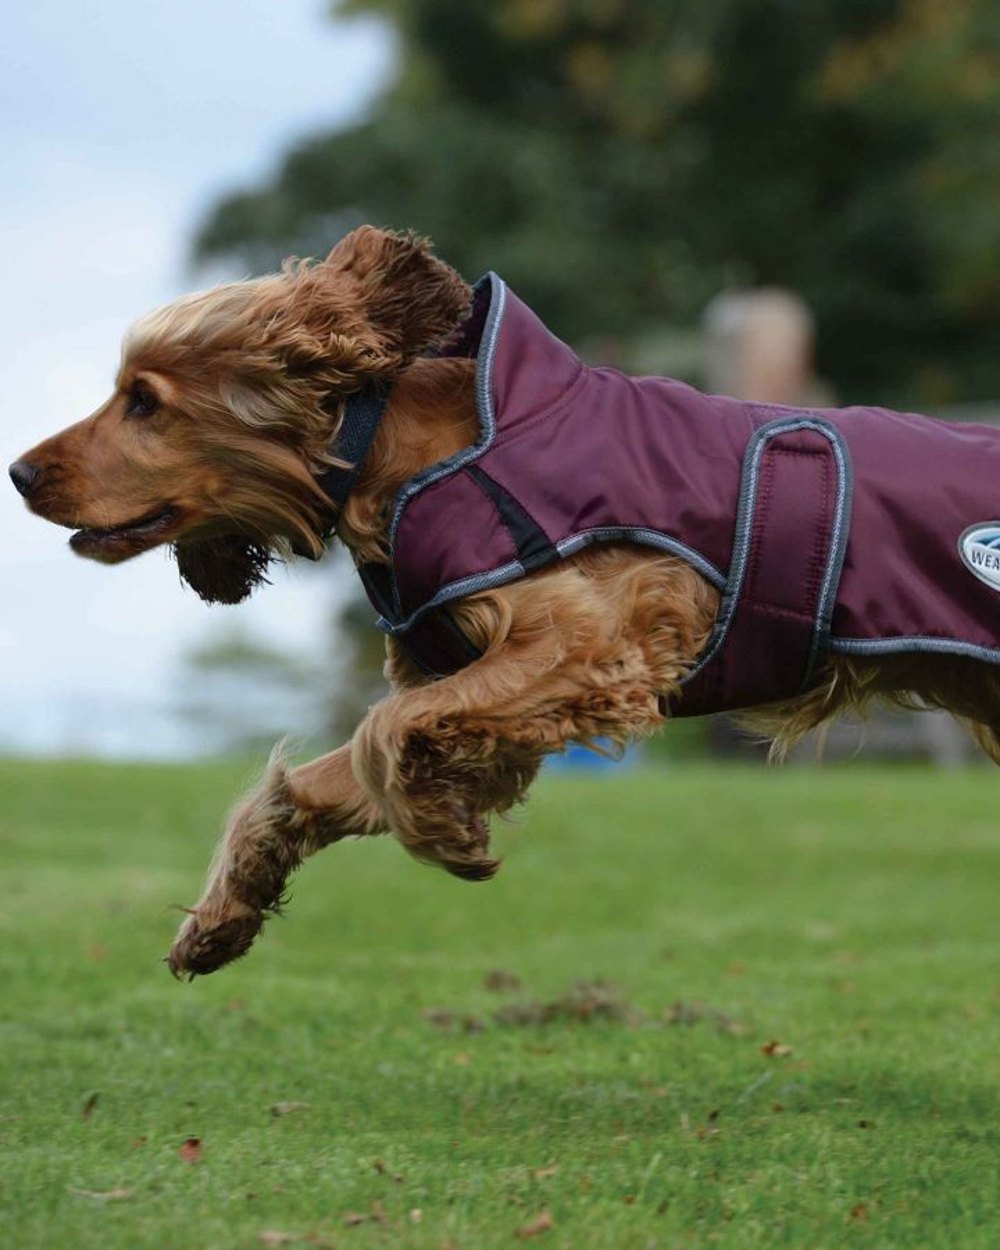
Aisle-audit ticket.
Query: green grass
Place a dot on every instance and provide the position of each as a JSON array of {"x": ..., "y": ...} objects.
[{"x": 849, "y": 914}]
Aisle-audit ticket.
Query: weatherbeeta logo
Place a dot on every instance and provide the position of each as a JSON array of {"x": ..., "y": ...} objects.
[{"x": 979, "y": 548}]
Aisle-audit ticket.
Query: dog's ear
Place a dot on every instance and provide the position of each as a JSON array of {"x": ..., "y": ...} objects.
[
  {"x": 378, "y": 300},
  {"x": 410, "y": 298},
  {"x": 222, "y": 570}
]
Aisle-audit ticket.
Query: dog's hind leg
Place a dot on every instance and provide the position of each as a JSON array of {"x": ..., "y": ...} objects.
[{"x": 288, "y": 817}]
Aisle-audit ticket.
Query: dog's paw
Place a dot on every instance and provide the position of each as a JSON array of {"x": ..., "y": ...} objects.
[
  {"x": 202, "y": 947},
  {"x": 469, "y": 857},
  {"x": 473, "y": 870}
]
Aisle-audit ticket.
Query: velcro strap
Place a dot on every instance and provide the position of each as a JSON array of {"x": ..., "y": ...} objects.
[
  {"x": 437, "y": 645},
  {"x": 435, "y": 642},
  {"x": 791, "y": 532}
]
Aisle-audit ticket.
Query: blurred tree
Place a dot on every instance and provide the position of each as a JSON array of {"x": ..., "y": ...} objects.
[
  {"x": 621, "y": 160},
  {"x": 361, "y": 653},
  {"x": 241, "y": 694}
]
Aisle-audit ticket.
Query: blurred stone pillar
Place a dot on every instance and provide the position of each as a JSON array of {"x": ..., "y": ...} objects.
[{"x": 759, "y": 346}]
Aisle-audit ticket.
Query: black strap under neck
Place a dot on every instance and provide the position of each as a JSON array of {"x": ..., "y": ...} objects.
[
  {"x": 363, "y": 413},
  {"x": 436, "y": 643}
]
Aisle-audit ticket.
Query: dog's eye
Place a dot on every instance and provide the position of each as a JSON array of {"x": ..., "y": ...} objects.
[{"x": 141, "y": 402}]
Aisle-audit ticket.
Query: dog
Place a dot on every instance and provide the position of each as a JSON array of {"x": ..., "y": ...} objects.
[{"x": 364, "y": 397}]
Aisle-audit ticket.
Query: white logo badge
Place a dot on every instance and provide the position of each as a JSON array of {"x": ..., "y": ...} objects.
[{"x": 979, "y": 548}]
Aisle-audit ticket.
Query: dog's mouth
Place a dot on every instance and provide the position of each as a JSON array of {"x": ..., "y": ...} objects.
[{"x": 120, "y": 542}]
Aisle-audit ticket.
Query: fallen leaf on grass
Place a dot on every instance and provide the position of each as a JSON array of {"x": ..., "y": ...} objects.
[
  {"x": 776, "y": 1050},
  {"x": 442, "y": 1018},
  {"x": 688, "y": 1013},
  {"x": 105, "y": 1195},
  {"x": 278, "y": 1237},
  {"x": 90, "y": 1102},
  {"x": 353, "y": 1218},
  {"x": 540, "y": 1224},
  {"x": 382, "y": 1168},
  {"x": 859, "y": 1211},
  {"x": 190, "y": 1150},
  {"x": 501, "y": 981},
  {"x": 287, "y": 1108}
]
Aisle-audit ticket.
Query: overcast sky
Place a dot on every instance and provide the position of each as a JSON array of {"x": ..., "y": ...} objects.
[{"x": 119, "y": 124}]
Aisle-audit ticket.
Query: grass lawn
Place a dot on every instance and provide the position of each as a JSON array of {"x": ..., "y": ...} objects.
[{"x": 801, "y": 1046}]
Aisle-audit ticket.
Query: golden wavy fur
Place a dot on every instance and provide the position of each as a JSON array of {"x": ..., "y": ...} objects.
[{"x": 225, "y": 409}]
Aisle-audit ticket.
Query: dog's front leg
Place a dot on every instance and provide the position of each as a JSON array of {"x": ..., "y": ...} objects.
[
  {"x": 432, "y": 763},
  {"x": 290, "y": 815},
  {"x": 444, "y": 757},
  {"x": 434, "y": 760}
]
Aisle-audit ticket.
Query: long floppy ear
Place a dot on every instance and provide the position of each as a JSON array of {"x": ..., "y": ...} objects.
[
  {"x": 409, "y": 297},
  {"x": 378, "y": 300},
  {"x": 222, "y": 570}
]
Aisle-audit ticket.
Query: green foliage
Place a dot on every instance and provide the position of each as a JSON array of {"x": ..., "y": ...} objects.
[
  {"x": 357, "y": 1061},
  {"x": 619, "y": 162}
]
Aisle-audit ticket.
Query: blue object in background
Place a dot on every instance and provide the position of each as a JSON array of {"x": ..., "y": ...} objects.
[{"x": 579, "y": 759}]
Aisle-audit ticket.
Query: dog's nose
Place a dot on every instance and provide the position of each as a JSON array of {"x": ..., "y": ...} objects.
[{"x": 24, "y": 476}]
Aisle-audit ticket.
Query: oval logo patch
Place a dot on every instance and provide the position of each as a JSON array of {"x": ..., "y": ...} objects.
[{"x": 979, "y": 548}]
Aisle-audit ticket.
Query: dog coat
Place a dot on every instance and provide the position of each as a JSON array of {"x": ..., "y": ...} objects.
[{"x": 856, "y": 531}]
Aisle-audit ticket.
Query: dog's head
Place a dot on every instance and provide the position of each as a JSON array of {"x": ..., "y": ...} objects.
[{"x": 227, "y": 405}]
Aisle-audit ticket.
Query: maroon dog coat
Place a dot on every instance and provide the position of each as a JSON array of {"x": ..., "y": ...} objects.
[{"x": 857, "y": 531}]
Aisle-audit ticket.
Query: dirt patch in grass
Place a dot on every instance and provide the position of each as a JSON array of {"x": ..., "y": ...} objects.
[{"x": 583, "y": 1002}]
